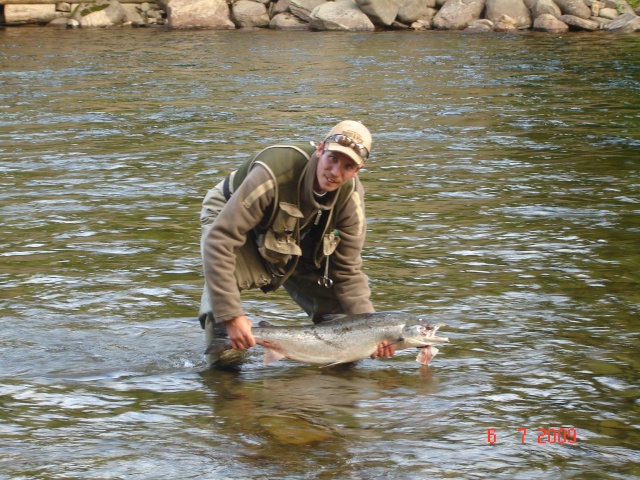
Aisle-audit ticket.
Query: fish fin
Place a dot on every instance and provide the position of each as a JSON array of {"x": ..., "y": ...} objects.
[
  {"x": 218, "y": 346},
  {"x": 426, "y": 355},
  {"x": 330, "y": 364},
  {"x": 271, "y": 356},
  {"x": 329, "y": 317}
]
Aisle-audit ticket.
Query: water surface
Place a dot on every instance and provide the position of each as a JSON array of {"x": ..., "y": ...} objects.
[{"x": 502, "y": 197}]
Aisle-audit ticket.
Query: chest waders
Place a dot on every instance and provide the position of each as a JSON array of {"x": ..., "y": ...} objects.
[{"x": 274, "y": 248}]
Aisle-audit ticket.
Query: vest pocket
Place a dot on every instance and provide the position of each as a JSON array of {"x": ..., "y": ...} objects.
[
  {"x": 280, "y": 242},
  {"x": 250, "y": 271}
]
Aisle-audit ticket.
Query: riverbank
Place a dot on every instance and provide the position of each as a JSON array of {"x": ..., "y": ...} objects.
[{"x": 553, "y": 16}]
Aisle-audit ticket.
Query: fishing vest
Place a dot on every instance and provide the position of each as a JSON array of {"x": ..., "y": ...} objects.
[{"x": 277, "y": 239}]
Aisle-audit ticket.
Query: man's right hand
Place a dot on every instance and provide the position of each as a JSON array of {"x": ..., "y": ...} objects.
[{"x": 239, "y": 330}]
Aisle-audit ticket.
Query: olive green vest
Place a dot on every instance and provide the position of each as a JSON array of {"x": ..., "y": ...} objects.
[{"x": 278, "y": 235}]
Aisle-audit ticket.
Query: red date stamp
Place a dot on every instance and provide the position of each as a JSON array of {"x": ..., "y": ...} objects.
[{"x": 549, "y": 435}]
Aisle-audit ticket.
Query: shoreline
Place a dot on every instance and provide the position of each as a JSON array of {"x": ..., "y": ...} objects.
[{"x": 475, "y": 16}]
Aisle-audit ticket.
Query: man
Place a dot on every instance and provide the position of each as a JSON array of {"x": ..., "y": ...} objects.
[{"x": 292, "y": 216}]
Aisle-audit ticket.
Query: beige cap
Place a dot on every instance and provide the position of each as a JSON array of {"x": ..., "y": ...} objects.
[{"x": 351, "y": 138}]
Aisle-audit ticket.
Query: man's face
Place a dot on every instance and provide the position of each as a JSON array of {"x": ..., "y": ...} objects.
[{"x": 334, "y": 170}]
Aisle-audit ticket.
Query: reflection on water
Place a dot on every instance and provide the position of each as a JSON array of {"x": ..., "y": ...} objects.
[{"x": 502, "y": 198}]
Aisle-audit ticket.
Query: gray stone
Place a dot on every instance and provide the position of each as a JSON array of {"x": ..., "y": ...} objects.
[
  {"x": 29, "y": 14},
  {"x": 542, "y": 7},
  {"x": 505, "y": 24},
  {"x": 281, "y": 6},
  {"x": 249, "y": 14},
  {"x": 627, "y": 23},
  {"x": 479, "y": 26},
  {"x": 101, "y": 14},
  {"x": 340, "y": 15},
  {"x": 549, "y": 23},
  {"x": 60, "y": 22},
  {"x": 132, "y": 14},
  {"x": 381, "y": 12},
  {"x": 425, "y": 22},
  {"x": 577, "y": 23},
  {"x": 209, "y": 14},
  {"x": 516, "y": 9},
  {"x": 576, "y": 8},
  {"x": 410, "y": 11},
  {"x": 287, "y": 21},
  {"x": 610, "y": 13},
  {"x": 458, "y": 14},
  {"x": 622, "y": 6},
  {"x": 303, "y": 8}
]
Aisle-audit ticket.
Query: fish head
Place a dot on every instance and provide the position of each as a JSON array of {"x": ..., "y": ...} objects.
[{"x": 421, "y": 335}]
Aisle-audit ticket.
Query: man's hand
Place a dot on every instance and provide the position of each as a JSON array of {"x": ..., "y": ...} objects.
[
  {"x": 239, "y": 330},
  {"x": 385, "y": 350}
]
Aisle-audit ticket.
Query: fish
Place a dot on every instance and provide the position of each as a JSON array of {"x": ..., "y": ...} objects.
[{"x": 342, "y": 338}]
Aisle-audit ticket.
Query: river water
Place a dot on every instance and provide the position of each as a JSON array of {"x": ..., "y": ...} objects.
[{"x": 503, "y": 198}]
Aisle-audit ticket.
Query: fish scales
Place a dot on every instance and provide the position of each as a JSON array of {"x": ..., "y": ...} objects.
[{"x": 344, "y": 338}]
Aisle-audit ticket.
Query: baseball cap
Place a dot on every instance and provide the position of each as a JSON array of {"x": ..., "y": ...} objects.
[{"x": 351, "y": 138}]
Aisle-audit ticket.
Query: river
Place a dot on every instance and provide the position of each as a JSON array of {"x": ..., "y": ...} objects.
[{"x": 503, "y": 199}]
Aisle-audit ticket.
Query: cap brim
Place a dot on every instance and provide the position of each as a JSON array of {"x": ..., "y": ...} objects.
[{"x": 349, "y": 152}]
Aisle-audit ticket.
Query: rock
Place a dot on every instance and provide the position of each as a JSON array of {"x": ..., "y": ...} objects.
[
  {"x": 620, "y": 5},
  {"x": 303, "y": 8},
  {"x": 627, "y": 23},
  {"x": 249, "y": 14},
  {"x": 516, "y": 9},
  {"x": 576, "y": 8},
  {"x": 577, "y": 23},
  {"x": 425, "y": 22},
  {"x": 29, "y": 14},
  {"x": 610, "y": 13},
  {"x": 340, "y": 15},
  {"x": 63, "y": 7},
  {"x": 410, "y": 11},
  {"x": 458, "y": 14},
  {"x": 505, "y": 24},
  {"x": 549, "y": 23},
  {"x": 60, "y": 22},
  {"x": 381, "y": 12},
  {"x": 479, "y": 26},
  {"x": 287, "y": 21},
  {"x": 281, "y": 6},
  {"x": 209, "y": 14},
  {"x": 132, "y": 14},
  {"x": 101, "y": 14},
  {"x": 541, "y": 7},
  {"x": 602, "y": 22}
]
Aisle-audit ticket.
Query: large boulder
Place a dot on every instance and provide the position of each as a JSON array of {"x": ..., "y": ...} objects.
[
  {"x": 576, "y": 8},
  {"x": 458, "y": 14},
  {"x": 340, "y": 15},
  {"x": 209, "y": 14},
  {"x": 250, "y": 14},
  {"x": 303, "y": 8},
  {"x": 103, "y": 13},
  {"x": 577, "y": 23},
  {"x": 620, "y": 5},
  {"x": 627, "y": 23},
  {"x": 381, "y": 12},
  {"x": 549, "y": 23},
  {"x": 542, "y": 7},
  {"x": 410, "y": 11},
  {"x": 30, "y": 14},
  {"x": 287, "y": 21},
  {"x": 515, "y": 9}
]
